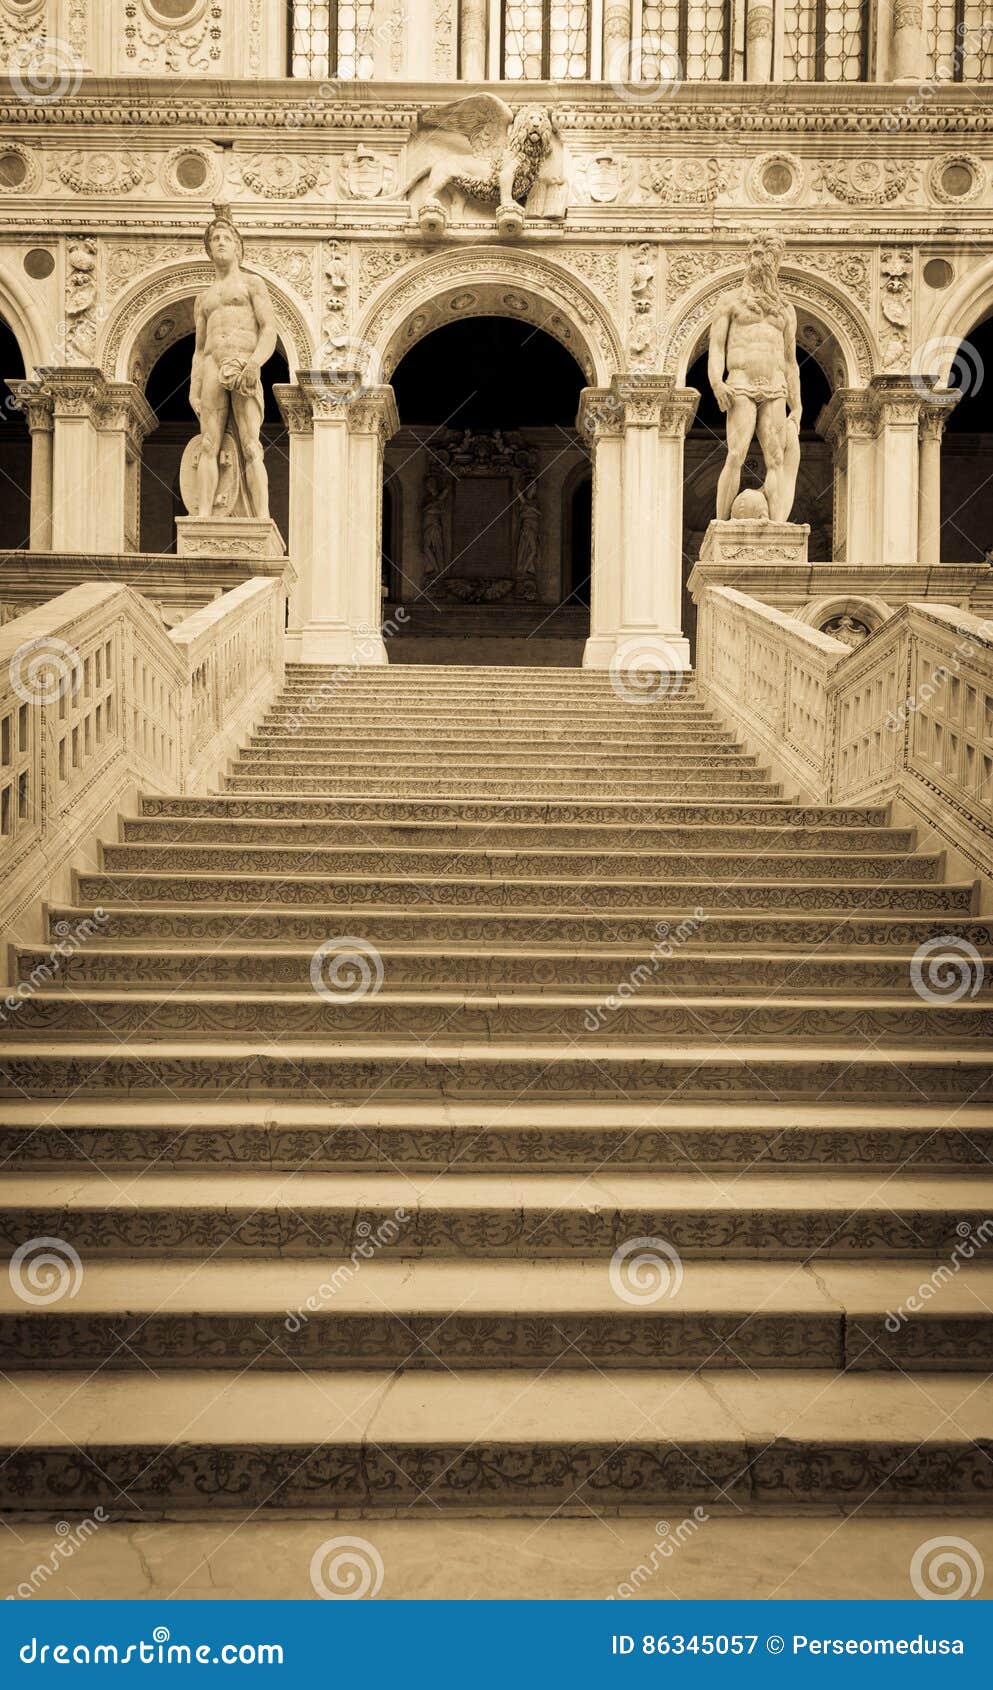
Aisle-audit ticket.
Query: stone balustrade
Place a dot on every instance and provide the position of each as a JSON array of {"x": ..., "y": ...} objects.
[
  {"x": 98, "y": 702},
  {"x": 905, "y": 719}
]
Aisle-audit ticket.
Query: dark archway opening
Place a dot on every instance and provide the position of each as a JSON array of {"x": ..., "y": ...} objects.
[
  {"x": 167, "y": 391},
  {"x": 490, "y": 553},
  {"x": 967, "y": 453},
  {"x": 15, "y": 450},
  {"x": 705, "y": 453}
]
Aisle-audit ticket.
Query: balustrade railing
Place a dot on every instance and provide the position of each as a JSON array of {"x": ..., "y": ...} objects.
[
  {"x": 98, "y": 700},
  {"x": 907, "y": 716}
]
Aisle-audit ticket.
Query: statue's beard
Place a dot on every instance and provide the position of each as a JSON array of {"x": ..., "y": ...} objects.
[{"x": 763, "y": 284}]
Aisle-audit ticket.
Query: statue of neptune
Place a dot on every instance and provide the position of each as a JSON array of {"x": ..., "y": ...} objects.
[{"x": 754, "y": 373}]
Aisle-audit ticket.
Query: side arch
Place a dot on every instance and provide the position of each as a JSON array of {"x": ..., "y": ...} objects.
[
  {"x": 158, "y": 310},
  {"x": 26, "y": 323},
  {"x": 840, "y": 338},
  {"x": 953, "y": 319},
  {"x": 491, "y": 282}
]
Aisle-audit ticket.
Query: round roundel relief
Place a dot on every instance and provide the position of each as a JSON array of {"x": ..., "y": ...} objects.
[
  {"x": 938, "y": 273},
  {"x": 39, "y": 263},
  {"x": 173, "y": 11},
  {"x": 958, "y": 179}
]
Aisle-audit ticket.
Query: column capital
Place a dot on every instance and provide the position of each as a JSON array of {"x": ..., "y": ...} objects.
[
  {"x": 850, "y": 414},
  {"x": 73, "y": 387},
  {"x": 121, "y": 408},
  {"x": 34, "y": 401},
  {"x": 637, "y": 401},
  {"x": 898, "y": 398},
  {"x": 939, "y": 403},
  {"x": 329, "y": 392},
  {"x": 374, "y": 411},
  {"x": 599, "y": 415},
  {"x": 294, "y": 407}
]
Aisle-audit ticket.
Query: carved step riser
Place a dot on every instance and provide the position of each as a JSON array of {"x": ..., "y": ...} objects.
[
  {"x": 497, "y": 1149},
  {"x": 287, "y": 785},
  {"x": 651, "y": 898},
  {"x": 624, "y": 770},
  {"x": 240, "y": 1233},
  {"x": 618, "y": 866},
  {"x": 568, "y": 1478},
  {"x": 182, "y": 1017},
  {"x": 561, "y": 813},
  {"x": 835, "y": 932},
  {"x": 405, "y": 836},
  {"x": 393, "y": 1075},
  {"x": 719, "y": 1342},
  {"x": 198, "y": 971},
  {"x": 470, "y": 744}
]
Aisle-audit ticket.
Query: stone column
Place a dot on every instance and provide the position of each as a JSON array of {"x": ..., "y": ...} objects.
[
  {"x": 849, "y": 423},
  {"x": 758, "y": 41},
  {"x": 336, "y": 491},
  {"x": 617, "y": 42},
  {"x": 907, "y": 41},
  {"x": 897, "y": 402},
  {"x": 75, "y": 482},
  {"x": 123, "y": 419},
  {"x": 473, "y": 34},
  {"x": 297, "y": 414},
  {"x": 36, "y": 404},
  {"x": 372, "y": 420},
  {"x": 934, "y": 416},
  {"x": 640, "y": 424}
]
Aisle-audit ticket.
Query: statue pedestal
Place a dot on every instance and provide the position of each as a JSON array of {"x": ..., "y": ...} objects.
[
  {"x": 752, "y": 541},
  {"x": 228, "y": 536}
]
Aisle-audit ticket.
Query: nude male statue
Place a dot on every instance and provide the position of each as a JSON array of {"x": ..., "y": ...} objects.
[
  {"x": 235, "y": 336},
  {"x": 753, "y": 370}
]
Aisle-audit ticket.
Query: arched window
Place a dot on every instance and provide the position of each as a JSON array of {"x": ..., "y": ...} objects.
[
  {"x": 545, "y": 40},
  {"x": 826, "y": 40},
  {"x": 958, "y": 39},
  {"x": 685, "y": 39},
  {"x": 331, "y": 39}
]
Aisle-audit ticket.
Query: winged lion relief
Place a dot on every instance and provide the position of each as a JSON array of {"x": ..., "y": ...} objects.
[{"x": 480, "y": 148}]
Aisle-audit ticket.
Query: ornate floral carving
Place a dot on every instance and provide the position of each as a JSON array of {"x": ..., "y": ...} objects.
[
  {"x": 895, "y": 306},
  {"x": 283, "y": 176},
  {"x": 684, "y": 181},
  {"x": 599, "y": 267},
  {"x": 377, "y": 263},
  {"x": 444, "y": 39},
  {"x": 292, "y": 264},
  {"x": 172, "y": 50},
  {"x": 102, "y": 172},
  {"x": 80, "y": 299},
  {"x": 867, "y": 181},
  {"x": 642, "y": 337},
  {"x": 124, "y": 263}
]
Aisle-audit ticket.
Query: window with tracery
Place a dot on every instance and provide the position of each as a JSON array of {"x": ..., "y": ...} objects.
[
  {"x": 958, "y": 40},
  {"x": 826, "y": 40},
  {"x": 331, "y": 40},
  {"x": 546, "y": 40},
  {"x": 685, "y": 40}
]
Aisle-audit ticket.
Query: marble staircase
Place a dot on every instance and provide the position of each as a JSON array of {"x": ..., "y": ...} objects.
[{"x": 590, "y": 1167}]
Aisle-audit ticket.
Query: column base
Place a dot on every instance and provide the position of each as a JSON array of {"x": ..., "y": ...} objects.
[
  {"x": 228, "y": 536},
  {"x": 330, "y": 643},
  {"x": 631, "y": 649},
  {"x": 751, "y": 540}
]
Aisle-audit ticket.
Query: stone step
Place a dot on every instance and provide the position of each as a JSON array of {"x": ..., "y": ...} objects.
[
  {"x": 486, "y": 1073},
  {"x": 732, "y": 767},
  {"x": 432, "y": 720},
  {"x": 433, "y": 1314},
  {"x": 418, "y": 862},
  {"x": 336, "y": 893},
  {"x": 494, "y": 1440},
  {"x": 602, "y": 1138},
  {"x": 591, "y": 792},
  {"x": 668, "y": 967},
  {"x": 642, "y": 1019},
  {"x": 347, "y": 833},
  {"x": 835, "y": 932},
  {"x": 472, "y": 742},
  {"x": 553, "y": 811},
  {"x": 750, "y": 1216}
]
